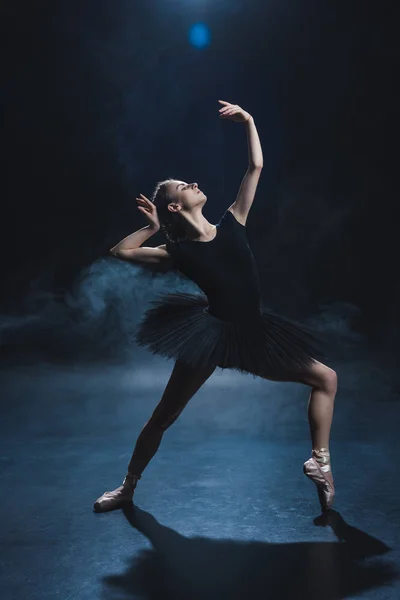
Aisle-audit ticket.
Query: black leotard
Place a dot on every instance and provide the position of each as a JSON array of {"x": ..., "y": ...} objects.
[
  {"x": 225, "y": 324},
  {"x": 224, "y": 268}
]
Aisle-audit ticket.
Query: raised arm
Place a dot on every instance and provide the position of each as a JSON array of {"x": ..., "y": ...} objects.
[{"x": 244, "y": 199}]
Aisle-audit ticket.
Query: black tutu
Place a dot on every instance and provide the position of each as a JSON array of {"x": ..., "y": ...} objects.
[{"x": 179, "y": 326}]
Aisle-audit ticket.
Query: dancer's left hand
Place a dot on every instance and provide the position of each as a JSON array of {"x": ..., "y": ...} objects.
[{"x": 233, "y": 112}]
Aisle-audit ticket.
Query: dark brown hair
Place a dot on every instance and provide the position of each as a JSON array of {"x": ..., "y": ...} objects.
[{"x": 171, "y": 223}]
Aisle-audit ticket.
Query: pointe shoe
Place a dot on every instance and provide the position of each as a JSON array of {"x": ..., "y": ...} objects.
[
  {"x": 118, "y": 498},
  {"x": 317, "y": 468}
]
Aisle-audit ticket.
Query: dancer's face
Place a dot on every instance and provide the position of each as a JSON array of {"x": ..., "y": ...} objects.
[{"x": 186, "y": 195}]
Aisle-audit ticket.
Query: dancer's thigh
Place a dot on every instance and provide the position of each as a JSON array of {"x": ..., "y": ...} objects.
[
  {"x": 183, "y": 383},
  {"x": 316, "y": 375}
]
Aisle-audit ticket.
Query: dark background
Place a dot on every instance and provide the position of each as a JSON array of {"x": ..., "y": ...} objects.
[{"x": 103, "y": 99}]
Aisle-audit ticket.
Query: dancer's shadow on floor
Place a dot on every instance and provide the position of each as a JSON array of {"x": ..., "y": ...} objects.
[{"x": 180, "y": 568}]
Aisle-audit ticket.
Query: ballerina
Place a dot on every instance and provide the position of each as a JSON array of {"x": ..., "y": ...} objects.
[{"x": 225, "y": 324}]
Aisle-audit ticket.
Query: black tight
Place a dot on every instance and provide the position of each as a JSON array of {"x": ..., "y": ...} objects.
[{"x": 183, "y": 383}]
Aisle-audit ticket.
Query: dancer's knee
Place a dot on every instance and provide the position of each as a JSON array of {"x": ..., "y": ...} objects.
[
  {"x": 161, "y": 421},
  {"x": 330, "y": 381},
  {"x": 322, "y": 377}
]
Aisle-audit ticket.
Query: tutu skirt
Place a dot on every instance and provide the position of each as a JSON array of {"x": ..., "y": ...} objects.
[{"x": 179, "y": 326}]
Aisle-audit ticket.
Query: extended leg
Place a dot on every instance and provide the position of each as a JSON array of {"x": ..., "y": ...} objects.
[{"x": 183, "y": 383}]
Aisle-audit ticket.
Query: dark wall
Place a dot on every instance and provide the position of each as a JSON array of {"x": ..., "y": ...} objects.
[{"x": 101, "y": 100}]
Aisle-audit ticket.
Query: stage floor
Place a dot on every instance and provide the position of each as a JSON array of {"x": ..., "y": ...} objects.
[{"x": 223, "y": 509}]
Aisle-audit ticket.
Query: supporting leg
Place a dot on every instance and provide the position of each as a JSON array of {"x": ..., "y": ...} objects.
[
  {"x": 323, "y": 381},
  {"x": 321, "y": 404},
  {"x": 320, "y": 414}
]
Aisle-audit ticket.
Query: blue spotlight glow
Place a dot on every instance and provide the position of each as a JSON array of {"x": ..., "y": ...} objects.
[{"x": 199, "y": 35}]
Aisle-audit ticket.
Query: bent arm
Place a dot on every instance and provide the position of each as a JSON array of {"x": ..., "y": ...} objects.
[
  {"x": 134, "y": 240},
  {"x": 130, "y": 248}
]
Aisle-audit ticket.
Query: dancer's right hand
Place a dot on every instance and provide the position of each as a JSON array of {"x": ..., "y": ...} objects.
[{"x": 147, "y": 208}]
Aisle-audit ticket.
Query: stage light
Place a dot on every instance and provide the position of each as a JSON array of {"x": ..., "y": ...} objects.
[{"x": 199, "y": 35}]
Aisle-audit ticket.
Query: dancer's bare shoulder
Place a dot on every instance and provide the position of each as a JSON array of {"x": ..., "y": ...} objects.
[{"x": 146, "y": 255}]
